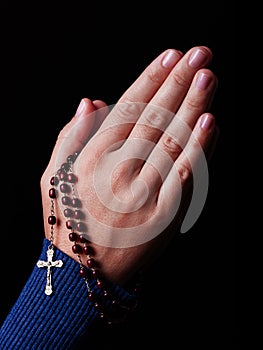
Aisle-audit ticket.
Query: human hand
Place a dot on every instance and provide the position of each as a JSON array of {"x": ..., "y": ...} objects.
[{"x": 140, "y": 162}]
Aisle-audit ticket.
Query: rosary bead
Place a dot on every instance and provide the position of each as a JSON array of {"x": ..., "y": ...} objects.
[
  {"x": 105, "y": 293},
  {"x": 64, "y": 188},
  {"x": 63, "y": 176},
  {"x": 76, "y": 248},
  {"x": 54, "y": 181},
  {"x": 52, "y": 193},
  {"x": 70, "y": 224},
  {"x": 71, "y": 178},
  {"x": 88, "y": 250},
  {"x": 73, "y": 236},
  {"x": 76, "y": 203},
  {"x": 81, "y": 227},
  {"x": 66, "y": 200},
  {"x": 75, "y": 155},
  {"x": 91, "y": 296},
  {"x": 100, "y": 284},
  {"x": 52, "y": 220},
  {"x": 82, "y": 239},
  {"x": 65, "y": 167},
  {"x": 71, "y": 158},
  {"x": 96, "y": 305},
  {"x": 91, "y": 262},
  {"x": 68, "y": 213},
  {"x": 94, "y": 273},
  {"x": 83, "y": 272},
  {"x": 59, "y": 171},
  {"x": 78, "y": 214}
]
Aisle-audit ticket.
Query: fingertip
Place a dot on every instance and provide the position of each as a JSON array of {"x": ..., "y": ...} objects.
[
  {"x": 99, "y": 104},
  {"x": 207, "y": 122},
  {"x": 85, "y": 107}
]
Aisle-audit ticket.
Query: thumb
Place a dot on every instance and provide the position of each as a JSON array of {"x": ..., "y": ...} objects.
[{"x": 73, "y": 137}]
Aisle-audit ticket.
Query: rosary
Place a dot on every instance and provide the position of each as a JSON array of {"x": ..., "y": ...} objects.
[{"x": 102, "y": 297}]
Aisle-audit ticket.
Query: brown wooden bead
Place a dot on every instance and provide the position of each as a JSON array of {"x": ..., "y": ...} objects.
[
  {"x": 88, "y": 250},
  {"x": 100, "y": 284},
  {"x": 68, "y": 213},
  {"x": 66, "y": 200},
  {"x": 54, "y": 181},
  {"x": 52, "y": 193},
  {"x": 82, "y": 239},
  {"x": 52, "y": 220},
  {"x": 73, "y": 236},
  {"x": 65, "y": 188},
  {"x": 76, "y": 248},
  {"x": 78, "y": 214},
  {"x": 91, "y": 262},
  {"x": 70, "y": 224},
  {"x": 83, "y": 272},
  {"x": 81, "y": 227},
  {"x": 76, "y": 203},
  {"x": 65, "y": 167},
  {"x": 91, "y": 296},
  {"x": 71, "y": 178}
]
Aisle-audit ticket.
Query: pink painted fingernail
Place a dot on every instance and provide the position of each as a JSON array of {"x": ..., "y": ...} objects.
[
  {"x": 203, "y": 81},
  {"x": 207, "y": 122},
  {"x": 198, "y": 58},
  {"x": 170, "y": 58}
]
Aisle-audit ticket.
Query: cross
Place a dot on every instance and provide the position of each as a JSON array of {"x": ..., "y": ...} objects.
[{"x": 49, "y": 264}]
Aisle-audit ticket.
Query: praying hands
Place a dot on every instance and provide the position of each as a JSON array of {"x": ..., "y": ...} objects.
[
  {"x": 138, "y": 164},
  {"x": 121, "y": 181}
]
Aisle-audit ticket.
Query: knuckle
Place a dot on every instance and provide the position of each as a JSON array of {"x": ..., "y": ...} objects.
[
  {"x": 154, "y": 76},
  {"x": 127, "y": 111},
  {"x": 171, "y": 145},
  {"x": 179, "y": 79},
  {"x": 157, "y": 117},
  {"x": 193, "y": 104},
  {"x": 184, "y": 172},
  {"x": 154, "y": 118}
]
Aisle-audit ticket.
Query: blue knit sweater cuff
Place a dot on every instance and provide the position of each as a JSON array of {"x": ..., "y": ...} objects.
[{"x": 56, "y": 321}]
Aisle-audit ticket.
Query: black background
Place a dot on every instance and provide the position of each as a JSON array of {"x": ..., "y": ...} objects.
[{"x": 54, "y": 55}]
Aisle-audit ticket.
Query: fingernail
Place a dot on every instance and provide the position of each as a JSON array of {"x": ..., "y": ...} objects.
[
  {"x": 81, "y": 107},
  {"x": 170, "y": 58},
  {"x": 207, "y": 122},
  {"x": 198, "y": 58},
  {"x": 203, "y": 81}
]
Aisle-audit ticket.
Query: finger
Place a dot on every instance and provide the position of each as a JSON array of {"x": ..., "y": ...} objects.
[
  {"x": 74, "y": 135},
  {"x": 145, "y": 143},
  {"x": 176, "y": 135},
  {"x": 198, "y": 98},
  {"x": 175, "y": 87},
  {"x": 188, "y": 170},
  {"x": 99, "y": 104},
  {"x": 129, "y": 107},
  {"x": 167, "y": 100},
  {"x": 147, "y": 116},
  {"x": 148, "y": 83}
]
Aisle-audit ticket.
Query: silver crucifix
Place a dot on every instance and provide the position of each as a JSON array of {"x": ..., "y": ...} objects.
[{"x": 49, "y": 264}]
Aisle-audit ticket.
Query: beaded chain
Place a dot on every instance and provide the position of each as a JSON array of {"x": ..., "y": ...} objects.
[{"x": 100, "y": 294}]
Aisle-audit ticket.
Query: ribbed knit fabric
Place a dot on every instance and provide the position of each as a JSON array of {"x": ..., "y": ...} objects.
[{"x": 55, "y": 322}]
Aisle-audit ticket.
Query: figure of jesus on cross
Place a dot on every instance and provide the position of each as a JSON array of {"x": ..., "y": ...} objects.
[{"x": 49, "y": 264}]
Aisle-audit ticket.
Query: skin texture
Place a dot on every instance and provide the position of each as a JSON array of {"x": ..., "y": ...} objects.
[{"x": 135, "y": 169}]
